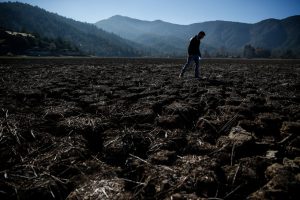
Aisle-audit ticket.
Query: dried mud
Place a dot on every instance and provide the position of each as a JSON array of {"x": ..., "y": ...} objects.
[{"x": 131, "y": 129}]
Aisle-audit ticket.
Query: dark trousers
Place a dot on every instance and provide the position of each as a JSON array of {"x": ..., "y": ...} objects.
[{"x": 190, "y": 59}]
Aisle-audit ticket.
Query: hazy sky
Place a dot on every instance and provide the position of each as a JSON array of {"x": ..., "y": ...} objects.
[{"x": 174, "y": 11}]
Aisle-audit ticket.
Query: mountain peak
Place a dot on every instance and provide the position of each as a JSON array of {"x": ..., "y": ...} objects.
[
  {"x": 118, "y": 17},
  {"x": 158, "y": 20}
]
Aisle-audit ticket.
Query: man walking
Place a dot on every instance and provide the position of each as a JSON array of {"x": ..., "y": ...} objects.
[{"x": 193, "y": 54}]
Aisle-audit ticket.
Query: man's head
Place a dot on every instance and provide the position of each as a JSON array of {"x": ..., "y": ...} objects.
[{"x": 201, "y": 35}]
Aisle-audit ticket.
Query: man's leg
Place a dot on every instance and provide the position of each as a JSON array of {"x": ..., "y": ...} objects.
[
  {"x": 196, "y": 59},
  {"x": 188, "y": 62}
]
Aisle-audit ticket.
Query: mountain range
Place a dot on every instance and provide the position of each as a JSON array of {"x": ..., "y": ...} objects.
[
  {"x": 124, "y": 36},
  {"x": 221, "y": 36}
]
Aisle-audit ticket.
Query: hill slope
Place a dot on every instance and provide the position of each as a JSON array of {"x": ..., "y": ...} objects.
[
  {"x": 16, "y": 43},
  {"x": 26, "y": 18},
  {"x": 221, "y": 35}
]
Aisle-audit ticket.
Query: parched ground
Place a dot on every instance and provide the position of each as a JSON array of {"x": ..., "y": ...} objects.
[{"x": 131, "y": 129}]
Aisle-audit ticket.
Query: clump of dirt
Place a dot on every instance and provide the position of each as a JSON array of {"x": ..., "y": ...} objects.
[{"x": 130, "y": 129}]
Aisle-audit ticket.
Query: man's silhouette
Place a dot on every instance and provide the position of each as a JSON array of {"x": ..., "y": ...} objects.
[{"x": 193, "y": 54}]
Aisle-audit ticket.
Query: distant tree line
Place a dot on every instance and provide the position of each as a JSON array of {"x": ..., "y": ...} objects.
[{"x": 251, "y": 52}]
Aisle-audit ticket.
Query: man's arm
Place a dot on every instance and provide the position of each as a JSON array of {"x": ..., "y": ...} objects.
[{"x": 199, "y": 53}]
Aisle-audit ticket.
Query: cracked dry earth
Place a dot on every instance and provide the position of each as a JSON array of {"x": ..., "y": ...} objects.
[{"x": 131, "y": 129}]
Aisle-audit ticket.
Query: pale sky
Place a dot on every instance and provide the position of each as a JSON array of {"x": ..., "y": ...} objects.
[{"x": 174, "y": 11}]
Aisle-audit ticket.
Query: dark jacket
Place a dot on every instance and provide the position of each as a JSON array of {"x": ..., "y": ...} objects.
[{"x": 194, "y": 46}]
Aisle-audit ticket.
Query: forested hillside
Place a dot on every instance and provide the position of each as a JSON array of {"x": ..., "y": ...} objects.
[{"x": 88, "y": 38}]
